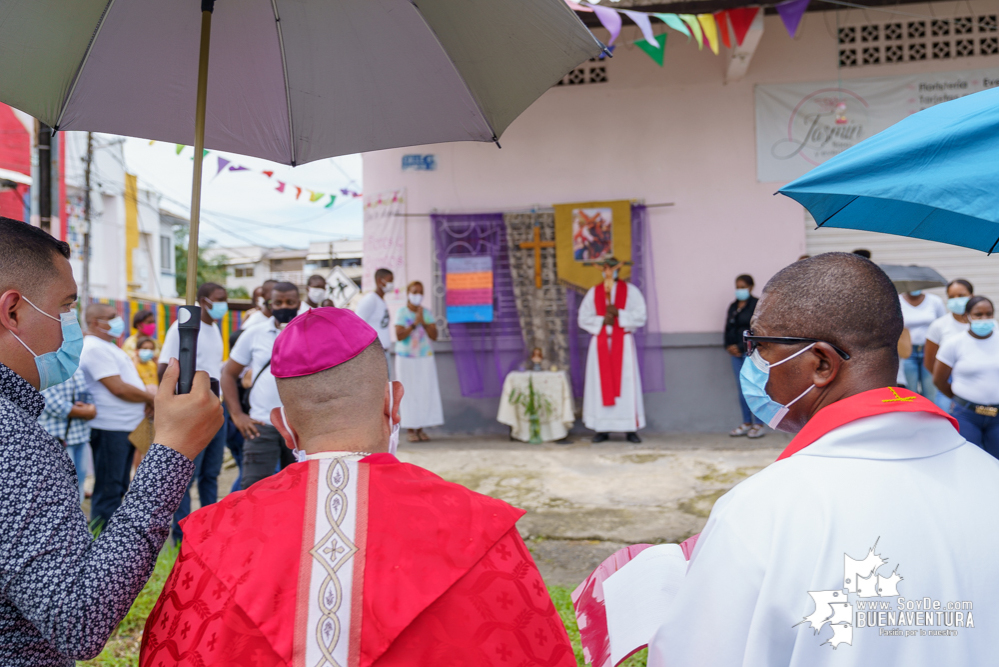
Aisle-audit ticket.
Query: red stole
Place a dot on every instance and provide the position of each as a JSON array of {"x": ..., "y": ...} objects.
[
  {"x": 610, "y": 358},
  {"x": 866, "y": 404}
]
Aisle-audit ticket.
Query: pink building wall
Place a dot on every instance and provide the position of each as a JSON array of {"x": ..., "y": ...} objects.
[{"x": 674, "y": 134}]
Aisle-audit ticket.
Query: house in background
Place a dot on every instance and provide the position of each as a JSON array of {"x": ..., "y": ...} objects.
[{"x": 250, "y": 266}]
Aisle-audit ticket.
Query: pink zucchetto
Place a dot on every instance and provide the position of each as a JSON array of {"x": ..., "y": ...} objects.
[{"x": 319, "y": 339}]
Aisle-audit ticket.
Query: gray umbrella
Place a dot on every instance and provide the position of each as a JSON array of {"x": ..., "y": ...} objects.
[{"x": 911, "y": 278}]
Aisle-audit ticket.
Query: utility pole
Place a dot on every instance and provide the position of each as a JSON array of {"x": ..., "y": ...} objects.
[
  {"x": 45, "y": 177},
  {"x": 85, "y": 287}
]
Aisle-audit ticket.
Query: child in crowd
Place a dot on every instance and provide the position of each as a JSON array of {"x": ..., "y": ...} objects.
[{"x": 145, "y": 362}]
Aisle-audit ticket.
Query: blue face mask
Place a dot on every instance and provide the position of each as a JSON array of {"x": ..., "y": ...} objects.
[
  {"x": 146, "y": 355},
  {"x": 58, "y": 366},
  {"x": 982, "y": 327},
  {"x": 754, "y": 377},
  {"x": 915, "y": 292},
  {"x": 217, "y": 310},
  {"x": 957, "y": 304},
  {"x": 741, "y": 294},
  {"x": 116, "y": 327}
]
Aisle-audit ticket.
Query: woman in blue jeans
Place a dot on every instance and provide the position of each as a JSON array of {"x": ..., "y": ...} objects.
[
  {"x": 967, "y": 371},
  {"x": 740, "y": 313}
]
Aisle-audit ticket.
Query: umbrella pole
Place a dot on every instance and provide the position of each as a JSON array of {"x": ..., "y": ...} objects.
[{"x": 189, "y": 316}]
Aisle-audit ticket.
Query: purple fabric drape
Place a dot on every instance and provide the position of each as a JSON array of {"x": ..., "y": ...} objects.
[
  {"x": 648, "y": 339},
  {"x": 484, "y": 352}
]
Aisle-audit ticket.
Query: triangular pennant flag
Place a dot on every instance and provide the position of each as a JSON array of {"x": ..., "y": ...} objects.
[
  {"x": 298, "y": 192},
  {"x": 222, "y": 165},
  {"x": 180, "y": 147},
  {"x": 610, "y": 19},
  {"x": 710, "y": 29},
  {"x": 316, "y": 196},
  {"x": 644, "y": 24},
  {"x": 721, "y": 18},
  {"x": 576, "y": 7},
  {"x": 674, "y": 21},
  {"x": 204, "y": 153},
  {"x": 268, "y": 174},
  {"x": 237, "y": 167},
  {"x": 656, "y": 51},
  {"x": 280, "y": 187},
  {"x": 332, "y": 199},
  {"x": 152, "y": 142},
  {"x": 695, "y": 29},
  {"x": 742, "y": 18},
  {"x": 791, "y": 13}
]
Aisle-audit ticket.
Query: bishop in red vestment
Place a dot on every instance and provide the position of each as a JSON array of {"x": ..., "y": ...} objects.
[{"x": 350, "y": 557}]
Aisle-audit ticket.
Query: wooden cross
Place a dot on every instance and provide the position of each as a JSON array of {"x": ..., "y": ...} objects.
[{"x": 537, "y": 244}]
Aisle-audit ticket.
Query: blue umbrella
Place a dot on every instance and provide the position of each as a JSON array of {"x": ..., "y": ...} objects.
[{"x": 933, "y": 176}]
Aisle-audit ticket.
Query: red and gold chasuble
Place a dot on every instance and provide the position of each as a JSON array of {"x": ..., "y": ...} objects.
[
  {"x": 610, "y": 349},
  {"x": 340, "y": 563}
]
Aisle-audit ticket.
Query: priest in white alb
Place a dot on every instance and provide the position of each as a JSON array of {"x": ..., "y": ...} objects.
[{"x": 611, "y": 312}]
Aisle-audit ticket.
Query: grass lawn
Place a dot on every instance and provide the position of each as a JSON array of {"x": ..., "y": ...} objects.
[{"x": 123, "y": 648}]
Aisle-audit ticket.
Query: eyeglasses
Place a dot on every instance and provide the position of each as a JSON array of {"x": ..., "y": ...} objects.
[{"x": 751, "y": 342}]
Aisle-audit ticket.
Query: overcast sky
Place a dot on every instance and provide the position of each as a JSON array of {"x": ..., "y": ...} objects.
[{"x": 244, "y": 207}]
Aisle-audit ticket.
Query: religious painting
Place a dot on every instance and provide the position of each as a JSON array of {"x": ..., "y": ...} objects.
[
  {"x": 587, "y": 232},
  {"x": 592, "y": 234}
]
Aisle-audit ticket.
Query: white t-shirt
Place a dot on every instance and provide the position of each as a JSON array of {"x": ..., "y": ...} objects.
[
  {"x": 945, "y": 327},
  {"x": 101, "y": 359},
  {"x": 375, "y": 312},
  {"x": 975, "y": 364},
  {"x": 255, "y": 319},
  {"x": 210, "y": 348},
  {"x": 253, "y": 349},
  {"x": 919, "y": 318}
]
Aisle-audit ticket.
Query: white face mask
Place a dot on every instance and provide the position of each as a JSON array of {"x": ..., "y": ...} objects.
[
  {"x": 300, "y": 455},
  {"x": 388, "y": 287},
  {"x": 317, "y": 294},
  {"x": 394, "y": 438},
  {"x": 260, "y": 302},
  {"x": 416, "y": 299}
]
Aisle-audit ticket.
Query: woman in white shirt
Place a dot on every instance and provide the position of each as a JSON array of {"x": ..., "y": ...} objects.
[
  {"x": 919, "y": 311},
  {"x": 955, "y": 322},
  {"x": 967, "y": 371}
]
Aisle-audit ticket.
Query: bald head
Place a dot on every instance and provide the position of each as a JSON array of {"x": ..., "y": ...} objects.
[
  {"x": 840, "y": 298},
  {"x": 347, "y": 397},
  {"x": 98, "y": 311}
]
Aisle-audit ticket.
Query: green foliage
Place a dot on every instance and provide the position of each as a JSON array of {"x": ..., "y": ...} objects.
[
  {"x": 209, "y": 271},
  {"x": 122, "y": 649},
  {"x": 563, "y": 604},
  {"x": 237, "y": 292}
]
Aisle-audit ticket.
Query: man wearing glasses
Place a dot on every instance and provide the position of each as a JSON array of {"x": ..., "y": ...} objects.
[{"x": 865, "y": 543}]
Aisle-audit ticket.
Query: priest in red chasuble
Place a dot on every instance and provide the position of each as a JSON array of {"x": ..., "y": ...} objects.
[
  {"x": 611, "y": 312},
  {"x": 350, "y": 558}
]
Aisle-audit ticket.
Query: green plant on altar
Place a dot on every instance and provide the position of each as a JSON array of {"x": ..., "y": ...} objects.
[{"x": 533, "y": 404}]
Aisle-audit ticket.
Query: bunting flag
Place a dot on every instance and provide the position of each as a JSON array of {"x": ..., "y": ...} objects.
[
  {"x": 610, "y": 19},
  {"x": 656, "y": 51},
  {"x": 268, "y": 174},
  {"x": 280, "y": 187},
  {"x": 675, "y": 22},
  {"x": 695, "y": 29},
  {"x": 575, "y": 6},
  {"x": 721, "y": 18},
  {"x": 180, "y": 147},
  {"x": 298, "y": 192},
  {"x": 332, "y": 199},
  {"x": 742, "y": 18},
  {"x": 710, "y": 29},
  {"x": 791, "y": 13},
  {"x": 222, "y": 165},
  {"x": 643, "y": 22},
  {"x": 315, "y": 196},
  {"x": 237, "y": 167}
]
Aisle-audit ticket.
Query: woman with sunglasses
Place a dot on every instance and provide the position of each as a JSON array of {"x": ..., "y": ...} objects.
[{"x": 967, "y": 371}]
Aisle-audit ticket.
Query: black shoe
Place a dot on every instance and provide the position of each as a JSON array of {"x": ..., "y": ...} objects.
[
  {"x": 601, "y": 437},
  {"x": 633, "y": 438}
]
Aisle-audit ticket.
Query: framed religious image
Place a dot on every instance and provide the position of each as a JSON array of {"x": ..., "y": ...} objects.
[{"x": 592, "y": 235}]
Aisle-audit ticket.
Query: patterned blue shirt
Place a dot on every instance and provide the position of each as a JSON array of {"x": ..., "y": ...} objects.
[{"x": 59, "y": 401}]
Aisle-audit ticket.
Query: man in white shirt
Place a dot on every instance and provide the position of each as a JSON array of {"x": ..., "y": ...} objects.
[
  {"x": 264, "y": 447},
  {"x": 859, "y": 546},
  {"x": 373, "y": 310},
  {"x": 214, "y": 302},
  {"x": 261, "y": 300},
  {"x": 315, "y": 291},
  {"x": 121, "y": 401}
]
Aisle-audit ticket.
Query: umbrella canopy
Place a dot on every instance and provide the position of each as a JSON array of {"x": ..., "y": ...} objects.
[
  {"x": 289, "y": 80},
  {"x": 931, "y": 176},
  {"x": 911, "y": 278}
]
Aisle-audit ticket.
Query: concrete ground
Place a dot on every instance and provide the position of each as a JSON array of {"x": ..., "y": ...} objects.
[{"x": 585, "y": 501}]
